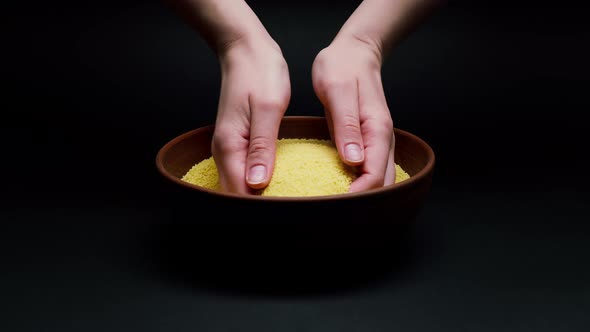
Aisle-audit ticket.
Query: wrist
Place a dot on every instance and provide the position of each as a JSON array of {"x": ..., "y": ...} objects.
[
  {"x": 248, "y": 43},
  {"x": 362, "y": 41},
  {"x": 222, "y": 23},
  {"x": 250, "y": 36}
]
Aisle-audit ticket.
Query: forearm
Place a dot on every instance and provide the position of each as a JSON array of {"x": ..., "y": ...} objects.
[
  {"x": 221, "y": 22},
  {"x": 383, "y": 23}
]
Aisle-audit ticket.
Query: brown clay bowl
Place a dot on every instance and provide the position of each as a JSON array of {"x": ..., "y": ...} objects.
[{"x": 351, "y": 220}]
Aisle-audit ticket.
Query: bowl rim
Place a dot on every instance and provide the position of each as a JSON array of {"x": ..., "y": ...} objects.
[{"x": 427, "y": 169}]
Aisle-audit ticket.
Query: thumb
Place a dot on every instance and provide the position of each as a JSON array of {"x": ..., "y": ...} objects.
[{"x": 264, "y": 129}]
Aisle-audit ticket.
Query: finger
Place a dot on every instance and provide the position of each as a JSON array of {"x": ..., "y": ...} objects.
[
  {"x": 229, "y": 149},
  {"x": 377, "y": 155},
  {"x": 264, "y": 128},
  {"x": 377, "y": 129},
  {"x": 230, "y": 137},
  {"x": 341, "y": 102},
  {"x": 330, "y": 124},
  {"x": 390, "y": 171}
]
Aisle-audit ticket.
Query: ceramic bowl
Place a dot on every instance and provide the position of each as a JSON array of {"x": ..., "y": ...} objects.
[{"x": 350, "y": 220}]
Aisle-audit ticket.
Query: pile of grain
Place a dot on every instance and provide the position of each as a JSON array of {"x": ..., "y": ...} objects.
[{"x": 303, "y": 167}]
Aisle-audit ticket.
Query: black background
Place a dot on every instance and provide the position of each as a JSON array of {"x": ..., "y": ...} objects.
[{"x": 93, "y": 90}]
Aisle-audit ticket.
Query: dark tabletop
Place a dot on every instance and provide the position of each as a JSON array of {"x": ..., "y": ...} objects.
[{"x": 95, "y": 89}]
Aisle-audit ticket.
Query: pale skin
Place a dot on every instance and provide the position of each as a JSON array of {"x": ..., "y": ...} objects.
[{"x": 346, "y": 77}]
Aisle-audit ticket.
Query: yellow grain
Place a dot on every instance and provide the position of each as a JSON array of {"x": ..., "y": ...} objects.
[{"x": 303, "y": 167}]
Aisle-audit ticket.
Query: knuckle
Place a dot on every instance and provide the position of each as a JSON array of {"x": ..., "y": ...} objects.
[
  {"x": 259, "y": 147},
  {"x": 386, "y": 126},
  {"x": 384, "y": 131},
  {"x": 381, "y": 129},
  {"x": 221, "y": 146},
  {"x": 350, "y": 122},
  {"x": 268, "y": 103},
  {"x": 224, "y": 141},
  {"x": 383, "y": 125}
]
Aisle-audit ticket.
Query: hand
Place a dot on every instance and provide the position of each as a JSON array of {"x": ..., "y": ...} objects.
[
  {"x": 255, "y": 93},
  {"x": 346, "y": 78}
]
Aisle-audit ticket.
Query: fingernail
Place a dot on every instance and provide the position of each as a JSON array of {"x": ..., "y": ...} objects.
[
  {"x": 353, "y": 153},
  {"x": 257, "y": 174}
]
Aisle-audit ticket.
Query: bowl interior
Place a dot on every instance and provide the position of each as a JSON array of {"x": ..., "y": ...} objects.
[{"x": 176, "y": 157}]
